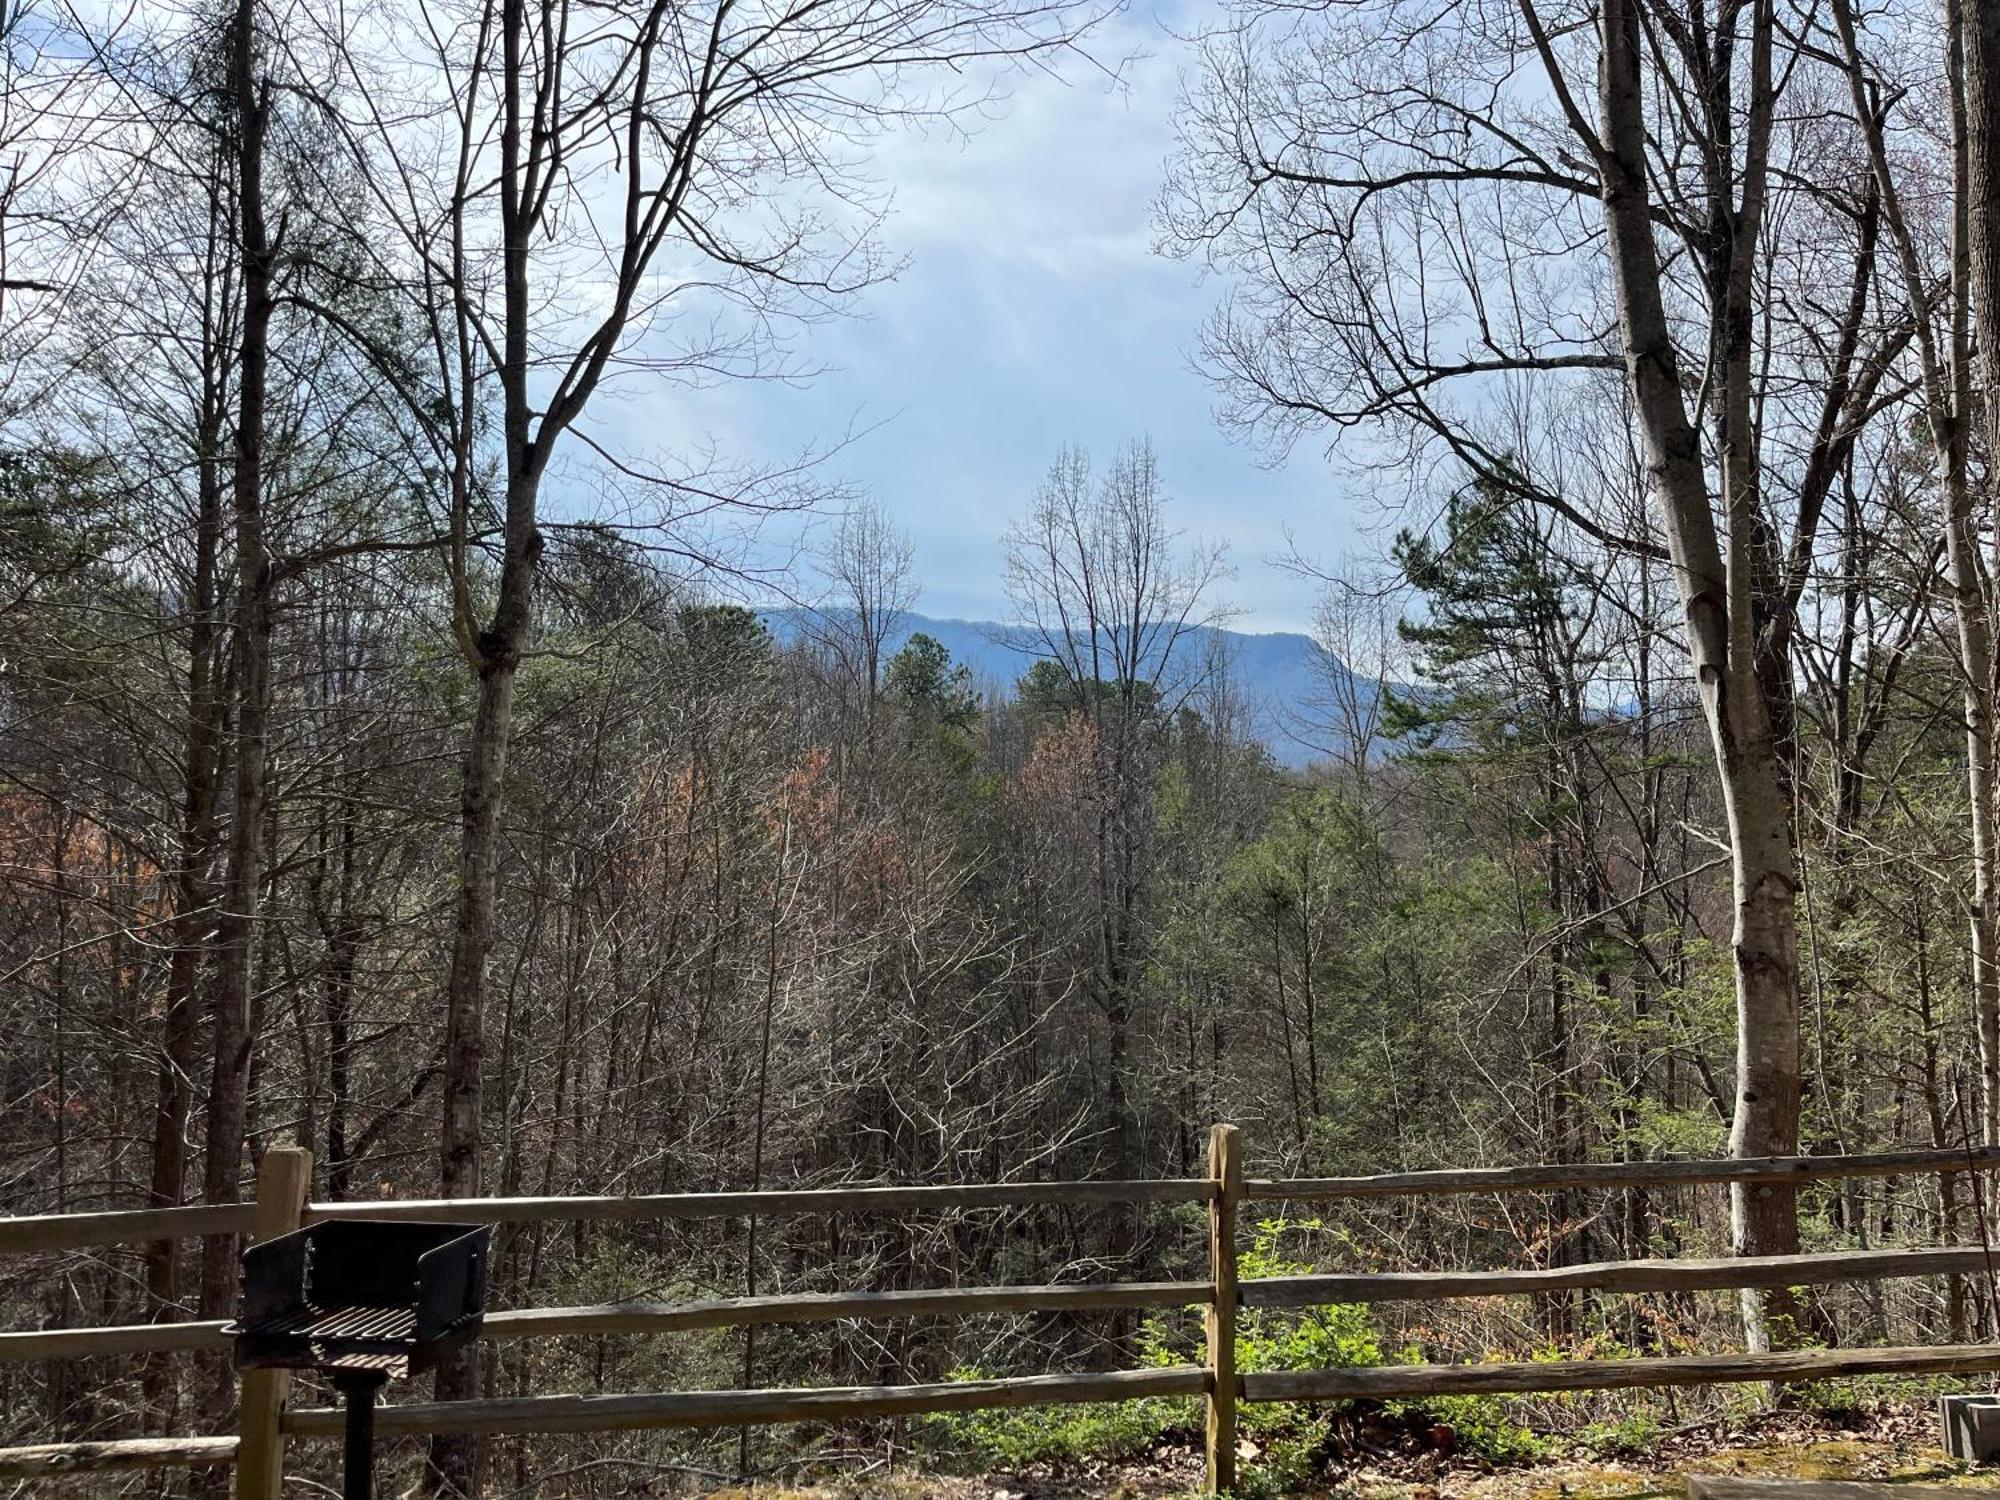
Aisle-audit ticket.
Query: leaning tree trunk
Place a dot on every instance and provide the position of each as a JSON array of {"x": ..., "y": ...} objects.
[{"x": 1718, "y": 606}]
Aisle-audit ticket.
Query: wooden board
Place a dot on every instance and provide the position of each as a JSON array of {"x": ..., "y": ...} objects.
[
  {"x": 129, "y": 1338},
  {"x": 736, "y": 1408},
  {"x": 1737, "y": 1487},
  {"x": 658, "y": 1317},
  {"x": 948, "y": 1197},
  {"x": 1544, "y": 1176},
  {"x": 809, "y": 1307},
  {"x": 1723, "y": 1274},
  {"x": 54, "y": 1460},
  {"x": 1384, "y": 1382},
  {"x": 29, "y": 1233}
]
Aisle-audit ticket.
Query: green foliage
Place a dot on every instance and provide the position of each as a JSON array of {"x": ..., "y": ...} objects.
[
  {"x": 1009, "y": 1437},
  {"x": 1479, "y": 1425},
  {"x": 941, "y": 709},
  {"x": 1047, "y": 688},
  {"x": 1354, "y": 955},
  {"x": 1043, "y": 688},
  {"x": 1664, "y": 1133},
  {"x": 1266, "y": 1339},
  {"x": 1336, "y": 1336},
  {"x": 1500, "y": 639},
  {"x": 922, "y": 678},
  {"x": 723, "y": 640},
  {"x": 1856, "y": 1392},
  {"x": 1631, "y": 1434},
  {"x": 1291, "y": 1438}
]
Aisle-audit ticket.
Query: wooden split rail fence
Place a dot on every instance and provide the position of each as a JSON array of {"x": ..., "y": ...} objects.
[{"x": 257, "y": 1449}]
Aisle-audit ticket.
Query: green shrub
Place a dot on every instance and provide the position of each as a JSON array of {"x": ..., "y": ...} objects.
[
  {"x": 1339, "y": 1335},
  {"x": 1479, "y": 1425},
  {"x": 1009, "y": 1438},
  {"x": 1290, "y": 1437},
  {"x": 1632, "y": 1435},
  {"x": 1855, "y": 1392},
  {"x": 1336, "y": 1336}
]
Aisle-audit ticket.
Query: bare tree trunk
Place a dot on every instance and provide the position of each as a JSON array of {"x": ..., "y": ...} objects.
[
  {"x": 1717, "y": 602},
  {"x": 1946, "y": 368},
  {"x": 454, "y": 1462},
  {"x": 228, "y": 1095},
  {"x": 472, "y": 936},
  {"x": 342, "y": 930},
  {"x": 1764, "y": 1220},
  {"x": 1976, "y": 143},
  {"x": 192, "y": 917}
]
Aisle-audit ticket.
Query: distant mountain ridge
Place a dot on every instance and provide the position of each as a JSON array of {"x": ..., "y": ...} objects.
[{"x": 1279, "y": 674}]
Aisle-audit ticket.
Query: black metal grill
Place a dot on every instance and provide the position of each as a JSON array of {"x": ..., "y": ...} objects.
[{"x": 366, "y": 1301}]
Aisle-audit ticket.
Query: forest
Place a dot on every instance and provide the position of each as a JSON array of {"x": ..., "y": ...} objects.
[{"x": 393, "y": 764}]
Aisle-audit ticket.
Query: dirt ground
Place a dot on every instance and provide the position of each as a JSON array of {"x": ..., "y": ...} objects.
[{"x": 1895, "y": 1444}]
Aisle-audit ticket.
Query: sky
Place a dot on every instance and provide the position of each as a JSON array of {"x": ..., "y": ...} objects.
[{"x": 1032, "y": 311}]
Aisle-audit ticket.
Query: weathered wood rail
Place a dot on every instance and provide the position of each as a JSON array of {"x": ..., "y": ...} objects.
[{"x": 257, "y": 1449}]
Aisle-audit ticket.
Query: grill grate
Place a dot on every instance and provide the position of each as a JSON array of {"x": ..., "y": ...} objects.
[{"x": 345, "y": 1338}]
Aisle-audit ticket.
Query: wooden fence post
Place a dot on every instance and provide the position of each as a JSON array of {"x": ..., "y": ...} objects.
[
  {"x": 1225, "y": 1169},
  {"x": 284, "y": 1177}
]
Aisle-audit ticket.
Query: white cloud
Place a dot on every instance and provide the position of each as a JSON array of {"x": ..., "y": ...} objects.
[
  {"x": 1032, "y": 313},
  {"x": 1063, "y": 180}
]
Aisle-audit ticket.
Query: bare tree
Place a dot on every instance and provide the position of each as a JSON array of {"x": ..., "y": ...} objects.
[
  {"x": 1103, "y": 589},
  {"x": 1942, "y": 328},
  {"x": 1431, "y": 209},
  {"x": 1974, "y": 63},
  {"x": 1355, "y": 651},
  {"x": 659, "y": 166},
  {"x": 250, "y": 96},
  {"x": 870, "y": 589},
  {"x": 53, "y": 113}
]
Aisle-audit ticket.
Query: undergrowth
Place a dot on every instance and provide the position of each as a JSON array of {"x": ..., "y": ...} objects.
[{"x": 1289, "y": 1438}]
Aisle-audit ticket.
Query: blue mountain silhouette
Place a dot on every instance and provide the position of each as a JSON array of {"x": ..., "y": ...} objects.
[{"x": 1282, "y": 677}]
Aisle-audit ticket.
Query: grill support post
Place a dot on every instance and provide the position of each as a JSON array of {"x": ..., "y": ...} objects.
[
  {"x": 357, "y": 1449},
  {"x": 283, "y": 1178}
]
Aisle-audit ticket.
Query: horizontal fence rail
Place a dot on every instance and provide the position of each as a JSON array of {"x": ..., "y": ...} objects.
[
  {"x": 862, "y": 1199},
  {"x": 1383, "y": 1382},
  {"x": 30, "y": 1233},
  {"x": 131, "y": 1338},
  {"x": 257, "y": 1450},
  {"x": 661, "y": 1317},
  {"x": 1731, "y": 1274},
  {"x": 124, "y": 1456},
  {"x": 738, "y": 1408},
  {"x": 1623, "y": 1174},
  {"x": 810, "y": 1307}
]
